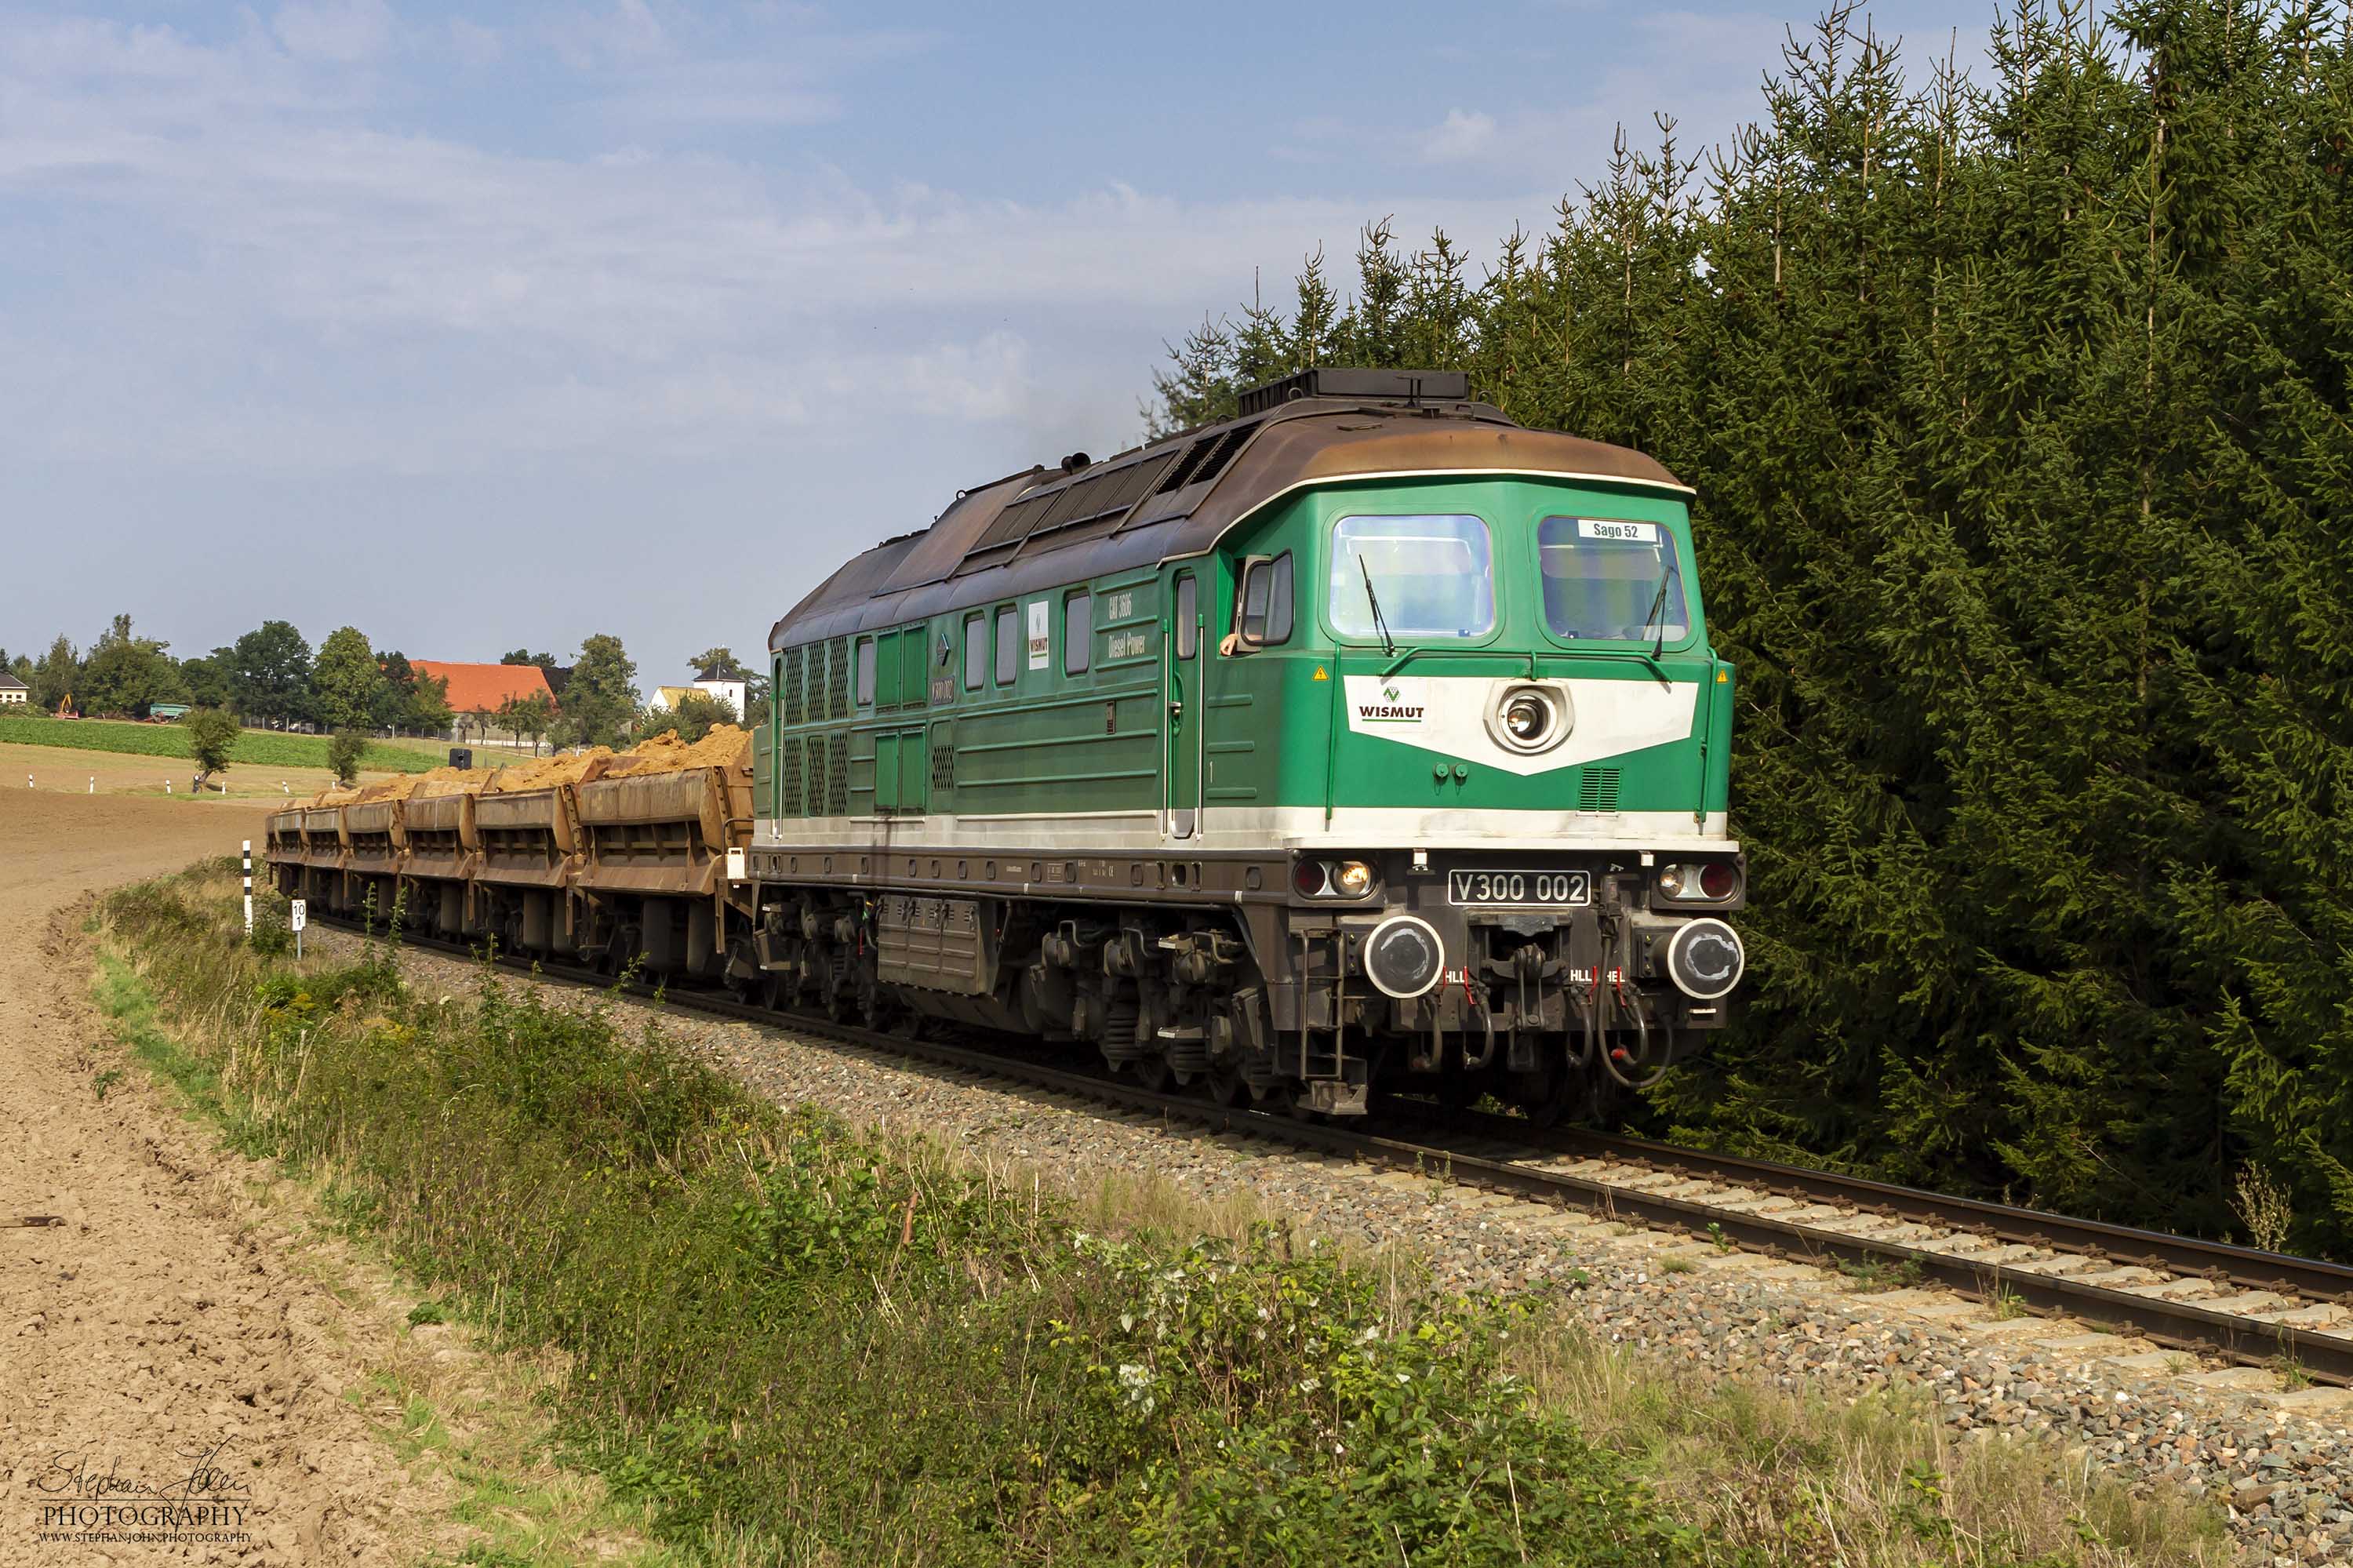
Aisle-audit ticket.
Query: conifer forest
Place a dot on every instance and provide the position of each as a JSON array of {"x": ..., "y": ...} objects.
[{"x": 2015, "y": 394}]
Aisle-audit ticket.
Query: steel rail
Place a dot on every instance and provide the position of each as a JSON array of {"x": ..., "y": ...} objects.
[
  {"x": 2314, "y": 1278},
  {"x": 2320, "y": 1356}
]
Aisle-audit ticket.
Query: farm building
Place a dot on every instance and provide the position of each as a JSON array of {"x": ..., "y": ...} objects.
[
  {"x": 12, "y": 690},
  {"x": 477, "y": 692}
]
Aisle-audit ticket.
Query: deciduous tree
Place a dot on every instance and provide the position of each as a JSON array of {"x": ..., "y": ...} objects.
[
  {"x": 601, "y": 699},
  {"x": 272, "y": 673},
  {"x": 126, "y": 673},
  {"x": 348, "y": 684},
  {"x": 212, "y": 736},
  {"x": 691, "y": 719}
]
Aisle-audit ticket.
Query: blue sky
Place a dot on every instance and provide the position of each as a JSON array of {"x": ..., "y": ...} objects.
[{"x": 481, "y": 326}]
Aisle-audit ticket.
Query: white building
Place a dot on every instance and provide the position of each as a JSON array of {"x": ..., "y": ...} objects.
[
  {"x": 732, "y": 692},
  {"x": 14, "y": 695}
]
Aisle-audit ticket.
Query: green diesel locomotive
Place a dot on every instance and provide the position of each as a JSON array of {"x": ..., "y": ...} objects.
[{"x": 1365, "y": 740}]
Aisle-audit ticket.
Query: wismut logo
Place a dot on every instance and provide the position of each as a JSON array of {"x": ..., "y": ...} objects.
[{"x": 1392, "y": 708}]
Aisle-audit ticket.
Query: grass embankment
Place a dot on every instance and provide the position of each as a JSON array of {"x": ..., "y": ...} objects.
[
  {"x": 255, "y": 748},
  {"x": 794, "y": 1341}
]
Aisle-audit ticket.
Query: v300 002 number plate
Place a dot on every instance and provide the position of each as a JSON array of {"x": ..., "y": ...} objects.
[{"x": 1519, "y": 888}]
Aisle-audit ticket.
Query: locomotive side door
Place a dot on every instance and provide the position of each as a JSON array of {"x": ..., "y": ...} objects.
[{"x": 1187, "y": 707}]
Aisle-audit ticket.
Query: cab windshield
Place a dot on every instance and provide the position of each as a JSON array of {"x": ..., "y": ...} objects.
[
  {"x": 1432, "y": 576},
  {"x": 1612, "y": 580}
]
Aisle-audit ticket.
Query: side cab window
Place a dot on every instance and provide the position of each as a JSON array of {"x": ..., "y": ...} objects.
[{"x": 1264, "y": 607}]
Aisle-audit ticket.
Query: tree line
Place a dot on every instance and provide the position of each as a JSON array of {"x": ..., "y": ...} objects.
[
  {"x": 268, "y": 677},
  {"x": 2017, "y": 408},
  {"x": 272, "y": 676}
]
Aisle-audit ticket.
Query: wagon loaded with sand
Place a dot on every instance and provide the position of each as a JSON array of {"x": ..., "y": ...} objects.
[{"x": 613, "y": 858}]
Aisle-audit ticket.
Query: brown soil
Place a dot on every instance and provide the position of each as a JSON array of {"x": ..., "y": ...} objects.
[{"x": 169, "y": 1323}]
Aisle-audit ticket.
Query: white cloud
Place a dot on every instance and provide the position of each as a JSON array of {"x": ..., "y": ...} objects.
[
  {"x": 1459, "y": 137},
  {"x": 343, "y": 31},
  {"x": 311, "y": 296}
]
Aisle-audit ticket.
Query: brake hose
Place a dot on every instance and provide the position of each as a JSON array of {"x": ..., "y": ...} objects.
[
  {"x": 1486, "y": 1023},
  {"x": 1643, "y": 1031}
]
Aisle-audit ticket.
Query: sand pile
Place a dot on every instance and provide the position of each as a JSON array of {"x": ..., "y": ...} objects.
[
  {"x": 724, "y": 747},
  {"x": 546, "y": 772},
  {"x": 440, "y": 781},
  {"x": 408, "y": 786}
]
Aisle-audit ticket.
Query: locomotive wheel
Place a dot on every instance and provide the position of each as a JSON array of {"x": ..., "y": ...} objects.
[
  {"x": 1153, "y": 1073},
  {"x": 1227, "y": 1085}
]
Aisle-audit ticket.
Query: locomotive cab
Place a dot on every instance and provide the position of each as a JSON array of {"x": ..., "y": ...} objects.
[{"x": 1481, "y": 717}]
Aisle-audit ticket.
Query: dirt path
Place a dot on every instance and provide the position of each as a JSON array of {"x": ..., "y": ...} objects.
[{"x": 158, "y": 1338}]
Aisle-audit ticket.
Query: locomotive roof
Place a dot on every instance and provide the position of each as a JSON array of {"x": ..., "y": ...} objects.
[{"x": 1177, "y": 496}]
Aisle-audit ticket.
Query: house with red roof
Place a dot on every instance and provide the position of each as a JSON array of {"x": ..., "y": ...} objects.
[{"x": 482, "y": 689}]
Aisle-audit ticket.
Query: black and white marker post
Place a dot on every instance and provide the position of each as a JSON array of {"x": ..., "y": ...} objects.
[{"x": 248, "y": 890}]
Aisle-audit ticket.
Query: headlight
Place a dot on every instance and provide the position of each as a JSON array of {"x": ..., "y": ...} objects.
[
  {"x": 1719, "y": 880},
  {"x": 1671, "y": 881},
  {"x": 1528, "y": 718},
  {"x": 1352, "y": 878},
  {"x": 1310, "y": 878}
]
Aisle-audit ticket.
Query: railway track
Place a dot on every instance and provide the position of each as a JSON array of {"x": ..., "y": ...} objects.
[{"x": 2255, "y": 1308}]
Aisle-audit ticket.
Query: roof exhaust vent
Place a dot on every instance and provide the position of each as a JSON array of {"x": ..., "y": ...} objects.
[
  {"x": 1075, "y": 462},
  {"x": 1407, "y": 387}
]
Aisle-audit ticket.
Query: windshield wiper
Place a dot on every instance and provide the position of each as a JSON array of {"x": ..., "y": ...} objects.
[
  {"x": 1652, "y": 617},
  {"x": 1659, "y": 604},
  {"x": 1389, "y": 644}
]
